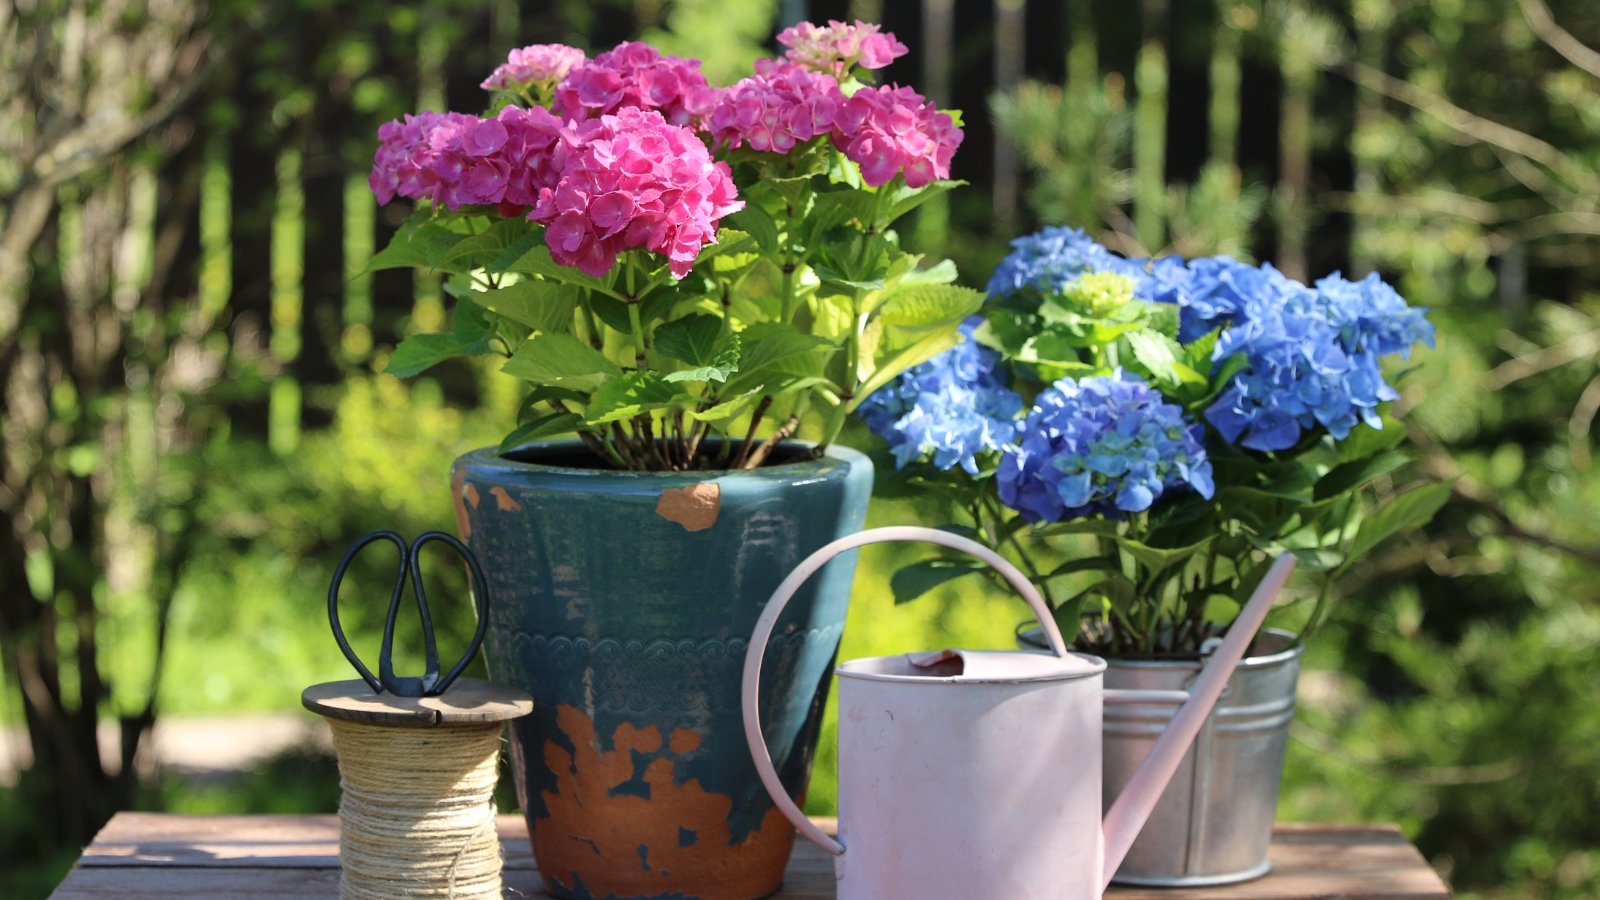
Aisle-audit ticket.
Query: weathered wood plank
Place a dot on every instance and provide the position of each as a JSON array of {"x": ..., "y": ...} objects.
[{"x": 157, "y": 855}]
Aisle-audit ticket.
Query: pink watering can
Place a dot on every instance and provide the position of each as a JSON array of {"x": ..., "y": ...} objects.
[{"x": 975, "y": 774}]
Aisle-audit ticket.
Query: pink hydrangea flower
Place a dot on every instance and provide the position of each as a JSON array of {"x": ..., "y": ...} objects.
[
  {"x": 888, "y": 130},
  {"x": 633, "y": 180},
  {"x": 455, "y": 160},
  {"x": 535, "y": 64},
  {"x": 838, "y": 47},
  {"x": 778, "y": 107},
  {"x": 405, "y": 162},
  {"x": 635, "y": 74}
]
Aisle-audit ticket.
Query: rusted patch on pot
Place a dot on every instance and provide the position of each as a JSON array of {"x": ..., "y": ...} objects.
[
  {"x": 470, "y": 494},
  {"x": 673, "y": 842},
  {"x": 694, "y": 507},
  {"x": 503, "y": 501},
  {"x": 463, "y": 523},
  {"x": 685, "y": 740}
]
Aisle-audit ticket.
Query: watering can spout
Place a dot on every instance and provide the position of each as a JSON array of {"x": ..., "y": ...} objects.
[{"x": 1134, "y": 805}]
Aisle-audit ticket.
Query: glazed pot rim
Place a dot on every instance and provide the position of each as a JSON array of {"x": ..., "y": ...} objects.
[
  {"x": 1294, "y": 648},
  {"x": 491, "y": 457}
]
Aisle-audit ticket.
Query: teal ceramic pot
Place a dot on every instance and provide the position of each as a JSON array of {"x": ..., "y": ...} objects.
[{"x": 623, "y": 602}]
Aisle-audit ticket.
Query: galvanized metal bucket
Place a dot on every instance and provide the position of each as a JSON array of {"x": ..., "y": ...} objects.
[{"x": 1213, "y": 824}]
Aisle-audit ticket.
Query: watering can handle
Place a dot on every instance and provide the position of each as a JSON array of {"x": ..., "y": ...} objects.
[{"x": 751, "y": 690}]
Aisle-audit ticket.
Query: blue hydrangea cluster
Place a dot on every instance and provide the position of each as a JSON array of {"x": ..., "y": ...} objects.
[
  {"x": 1104, "y": 444},
  {"x": 1313, "y": 354},
  {"x": 1314, "y": 358},
  {"x": 948, "y": 409},
  {"x": 1047, "y": 261}
]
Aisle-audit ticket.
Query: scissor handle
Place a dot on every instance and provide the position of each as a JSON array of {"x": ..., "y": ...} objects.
[
  {"x": 430, "y": 683},
  {"x": 479, "y": 591},
  {"x": 333, "y": 598}
]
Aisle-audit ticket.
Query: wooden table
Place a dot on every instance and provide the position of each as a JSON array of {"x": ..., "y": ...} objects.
[{"x": 159, "y": 855}]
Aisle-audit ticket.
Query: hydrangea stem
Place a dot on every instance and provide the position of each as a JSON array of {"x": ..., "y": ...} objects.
[{"x": 635, "y": 326}]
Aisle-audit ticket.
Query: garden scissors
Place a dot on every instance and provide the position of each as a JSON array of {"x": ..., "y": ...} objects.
[{"x": 429, "y": 684}]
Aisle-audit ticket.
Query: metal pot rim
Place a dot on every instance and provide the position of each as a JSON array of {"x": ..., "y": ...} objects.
[{"x": 1293, "y": 648}]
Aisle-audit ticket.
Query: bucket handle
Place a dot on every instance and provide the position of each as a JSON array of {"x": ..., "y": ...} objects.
[{"x": 751, "y": 685}]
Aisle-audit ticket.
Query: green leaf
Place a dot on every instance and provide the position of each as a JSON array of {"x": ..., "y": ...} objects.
[
  {"x": 486, "y": 248},
  {"x": 1412, "y": 509},
  {"x": 611, "y": 311},
  {"x": 544, "y": 426},
  {"x": 904, "y": 199},
  {"x": 942, "y": 272},
  {"x": 1224, "y": 373},
  {"x": 754, "y": 221},
  {"x": 727, "y": 409},
  {"x": 1115, "y": 588},
  {"x": 929, "y": 305},
  {"x": 423, "y": 245},
  {"x": 729, "y": 240},
  {"x": 838, "y": 282},
  {"x": 1158, "y": 355},
  {"x": 918, "y": 578},
  {"x": 420, "y": 352},
  {"x": 470, "y": 325},
  {"x": 634, "y": 393},
  {"x": 544, "y": 306},
  {"x": 719, "y": 367},
  {"x": 771, "y": 349},
  {"x": 1197, "y": 353},
  {"x": 836, "y": 207},
  {"x": 917, "y": 352},
  {"x": 515, "y": 251},
  {"x": 563, "y": 361},
  {"x": 1098, "y": 527},
  {"x": 1158, "y": 559},
  {"x": 691, "y": 339},
  {"x": 537, "y": 261},
  {"x": 1086, "y": 564},
  {"x": 1318, "y": 559},
  {"x": 1352, "y": 475},
  {"x": 549, "y": 393}
]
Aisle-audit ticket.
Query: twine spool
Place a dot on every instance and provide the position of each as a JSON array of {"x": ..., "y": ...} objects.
[{"x": 417, "y": 775}]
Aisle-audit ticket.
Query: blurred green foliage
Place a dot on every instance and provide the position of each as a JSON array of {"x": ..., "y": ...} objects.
[{"x": 1452, "y": 145}]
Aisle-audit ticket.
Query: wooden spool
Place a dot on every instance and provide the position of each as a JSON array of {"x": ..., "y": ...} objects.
[
  {"x": 417, "y": 775},
  {"x": 468, "y": 702}
]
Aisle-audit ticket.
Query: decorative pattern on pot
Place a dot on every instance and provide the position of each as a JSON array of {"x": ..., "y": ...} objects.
[{"x": 625, "y": 601}]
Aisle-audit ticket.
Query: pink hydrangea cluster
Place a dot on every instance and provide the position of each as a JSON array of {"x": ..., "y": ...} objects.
[
  {"x": 778, "y": 107},
  {"x": 535, "y": 64},
  {"x": 633, "y": 180},
  {"x": 837, "y": 48},
  {"x": 455, "y": 160},
  {"x": 635, "y": 74},
  {"x": 407, "y": 153},
  {"x": 887, "y": 129}
]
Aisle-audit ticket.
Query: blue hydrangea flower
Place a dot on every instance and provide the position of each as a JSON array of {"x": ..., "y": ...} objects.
[
  {"x": 1313, "y": 358},
  {"x": 1371, "y": 315},
  {"x": 948, "y": 409},
  {"x": 1045, "y": 262},
  {"x": 1104, "y": 444},
  {"x": 1157, "y": 280}
]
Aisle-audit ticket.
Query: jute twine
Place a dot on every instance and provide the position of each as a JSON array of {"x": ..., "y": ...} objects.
[{"x": 417, "y": 815}]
